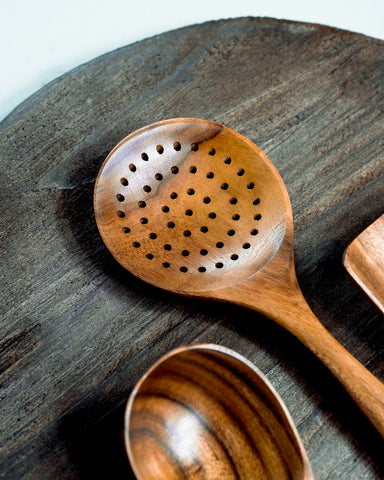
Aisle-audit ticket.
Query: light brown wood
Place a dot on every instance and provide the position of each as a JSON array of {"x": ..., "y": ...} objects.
[
  {"x": 193, "y": 207},
  {"x": 205, "y": 412},
  {"x": 364, "y": 260}
]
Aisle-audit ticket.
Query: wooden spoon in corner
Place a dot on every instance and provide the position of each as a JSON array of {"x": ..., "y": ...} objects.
[
  {"x": 364, "y": 261},
  {"x": 205, "y": 412}
]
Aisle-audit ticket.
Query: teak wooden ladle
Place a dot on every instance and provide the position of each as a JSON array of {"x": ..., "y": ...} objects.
[
  {"x": 193, "y": 207},
  {"x": 205, "y": 412}
]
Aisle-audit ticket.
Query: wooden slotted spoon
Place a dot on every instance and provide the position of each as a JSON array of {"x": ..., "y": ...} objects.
[{"x": 193, "y": 207}]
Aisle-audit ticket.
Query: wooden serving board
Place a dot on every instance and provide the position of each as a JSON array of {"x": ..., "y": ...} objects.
[{"x": 77, "y": 331}]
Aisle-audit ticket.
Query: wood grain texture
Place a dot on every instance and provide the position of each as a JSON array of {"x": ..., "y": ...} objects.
[
  {"x": 77, "y": 330},
  {"x": 206, "y": 412},
  {"x": 364, "y": 260},
  {"x": 191, "y": 206}
]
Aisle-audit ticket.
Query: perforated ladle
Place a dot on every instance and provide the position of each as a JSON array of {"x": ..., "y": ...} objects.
[{"x": 193, "y": 207}]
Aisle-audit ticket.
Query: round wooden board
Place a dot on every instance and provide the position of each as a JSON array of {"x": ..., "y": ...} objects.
[{"x": 77, "y": 331}]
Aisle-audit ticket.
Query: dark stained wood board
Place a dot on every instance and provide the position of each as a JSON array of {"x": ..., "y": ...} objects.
[{"x": 77, "y": 331}]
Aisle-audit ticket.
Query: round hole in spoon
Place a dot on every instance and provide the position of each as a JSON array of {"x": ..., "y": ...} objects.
[
  {"x": 234, "y": 205},
  {"x": 205, "y": 412}
]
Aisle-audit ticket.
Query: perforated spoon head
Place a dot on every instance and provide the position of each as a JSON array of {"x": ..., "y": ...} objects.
[
  {"x": 191, "y": 206},
  {"x": 205, "y": 412}
]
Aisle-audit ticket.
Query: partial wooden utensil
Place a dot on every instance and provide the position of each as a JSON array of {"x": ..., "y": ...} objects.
[
  {"x": 364, "y": 261},
  {"x": 205, "y": 412},
  {"x": 196, "y": 208}
]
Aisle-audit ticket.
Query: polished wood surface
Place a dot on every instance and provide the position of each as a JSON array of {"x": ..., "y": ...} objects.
[
  {"x": 177, "y": 203},
  {"x": 364, "y": 260},
  {"x": 204, "y": 209},
  {"x": 205, "y": 412},
  {"x": 78, "y": 330}
]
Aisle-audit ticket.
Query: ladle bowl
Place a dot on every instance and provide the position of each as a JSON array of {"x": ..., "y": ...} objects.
[
  {"x": 190, "y": 206},
  {"x": 205, "y": 412},
  {"x": 193, "y": 207}
]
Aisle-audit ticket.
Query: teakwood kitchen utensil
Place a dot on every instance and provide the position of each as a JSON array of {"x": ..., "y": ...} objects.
[
  {"x": 193, "y": 207},
  {"x": 364, "y": 261},
  {"x": 205, "y": 412}
]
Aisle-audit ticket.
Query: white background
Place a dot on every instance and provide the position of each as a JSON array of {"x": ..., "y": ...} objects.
[{"x": 42, "y": 39}]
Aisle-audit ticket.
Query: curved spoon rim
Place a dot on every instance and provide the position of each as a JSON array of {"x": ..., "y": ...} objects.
[{"x": 238, "y": 357}]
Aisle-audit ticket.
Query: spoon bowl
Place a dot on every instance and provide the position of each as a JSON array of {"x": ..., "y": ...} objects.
[
  {"x": 206, "y": 412},
  {"x": 193, "y": 207}
]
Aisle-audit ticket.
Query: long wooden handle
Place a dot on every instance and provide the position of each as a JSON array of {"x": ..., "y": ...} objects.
[
  {"x": 290, "y": 310},
  {"x": 364, "y": 388},
  {"x": 275, "y": 292}
]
